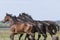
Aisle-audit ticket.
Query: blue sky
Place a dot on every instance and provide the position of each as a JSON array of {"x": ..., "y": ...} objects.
[{"x": 38, "y": 9}]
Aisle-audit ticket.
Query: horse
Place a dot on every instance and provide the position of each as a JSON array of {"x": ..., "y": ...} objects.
[
  {"x": 53, "y": 28},
  {"x": 18, "y": 27},
  {"x": 39, "y": 24},
  {"x": 50, "y": 25}
]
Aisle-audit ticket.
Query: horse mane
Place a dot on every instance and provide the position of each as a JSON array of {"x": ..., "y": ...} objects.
[
  {"x": 22, "y": 18},
  {"x": 20, "y": 15},
  {"x": 15, "y": 19},
  {"x": 27, "y": 15},
  {"x": 8, "y": 14}
]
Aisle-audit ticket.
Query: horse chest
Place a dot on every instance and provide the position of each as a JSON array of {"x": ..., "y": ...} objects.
[{"x": 16, "y": 28}]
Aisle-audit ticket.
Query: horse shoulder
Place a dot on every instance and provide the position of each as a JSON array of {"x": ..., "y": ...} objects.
[{"x": 28, "y": 28}]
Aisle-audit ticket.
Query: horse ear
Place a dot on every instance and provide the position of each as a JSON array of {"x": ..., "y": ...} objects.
[
  {"x": 23, "y": 13},
  {"x": 6, "y": 13},
  {"x": 19, "y": 14}
]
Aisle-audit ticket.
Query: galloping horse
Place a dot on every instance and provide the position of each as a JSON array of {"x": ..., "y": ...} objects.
[
  {"x": 50, "y": 24},
  {"x": 52, "y": 28},
  {"x": 18, "y": 27},
  {"x": 29, "y": 26},
  {"x": 39, "y": 24}
]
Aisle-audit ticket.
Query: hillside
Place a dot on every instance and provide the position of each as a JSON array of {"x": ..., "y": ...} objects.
[{"x": 5, "y": 25}]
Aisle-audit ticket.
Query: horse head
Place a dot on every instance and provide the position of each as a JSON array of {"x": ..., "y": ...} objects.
[{"x": 7, "y": 17}]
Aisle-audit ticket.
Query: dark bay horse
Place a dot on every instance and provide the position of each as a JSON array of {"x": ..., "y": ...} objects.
[
  {"x": 39, "y": 24},
  {"x": 52, "y": 28},
  {"x": 50, "y": 24},
  {"x": 18, "y": 27}
]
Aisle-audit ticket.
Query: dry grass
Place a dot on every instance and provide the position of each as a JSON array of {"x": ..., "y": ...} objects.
[{"x": 4, "y": 35}]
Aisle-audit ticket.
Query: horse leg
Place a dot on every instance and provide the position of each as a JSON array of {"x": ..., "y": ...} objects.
[
  {"x": 20, "y": 36},
  {"x": 50, "y": 32},
  {"x": 39, "y": 36},
  {"x": 54, "y": 37},
  {"x": 45, "y": 36},
  {"x": 33, "y": 36},
  {"x": 27, "y": 36},
  {"x": 12, "y": 36}
]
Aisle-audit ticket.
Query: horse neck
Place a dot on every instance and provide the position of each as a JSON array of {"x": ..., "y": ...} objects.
[{"x": 11, "y": 21}]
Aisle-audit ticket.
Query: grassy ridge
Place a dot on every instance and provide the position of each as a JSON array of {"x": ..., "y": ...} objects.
[{"x": 5, "y": 35}]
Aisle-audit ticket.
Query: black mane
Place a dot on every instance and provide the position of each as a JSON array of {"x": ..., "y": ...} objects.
[
  {"x": 27, "y": 15},
  {"x": 15, "y": 19},
  {"x": 8, "y": 14}
]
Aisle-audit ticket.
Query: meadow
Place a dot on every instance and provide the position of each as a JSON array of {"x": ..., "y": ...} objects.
[{"x": 5, "y": 35}]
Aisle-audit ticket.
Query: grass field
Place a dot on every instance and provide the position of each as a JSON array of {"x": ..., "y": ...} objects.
[{"x": 5, "y": 34}]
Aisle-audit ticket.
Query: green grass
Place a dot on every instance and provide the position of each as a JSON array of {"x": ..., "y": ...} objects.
[{"x": 5, "y": 35}]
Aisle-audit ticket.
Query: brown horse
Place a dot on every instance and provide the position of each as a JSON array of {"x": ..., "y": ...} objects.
[
  {"x": 41, "y": 30},
  {"x": 18, "y": 27}
]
